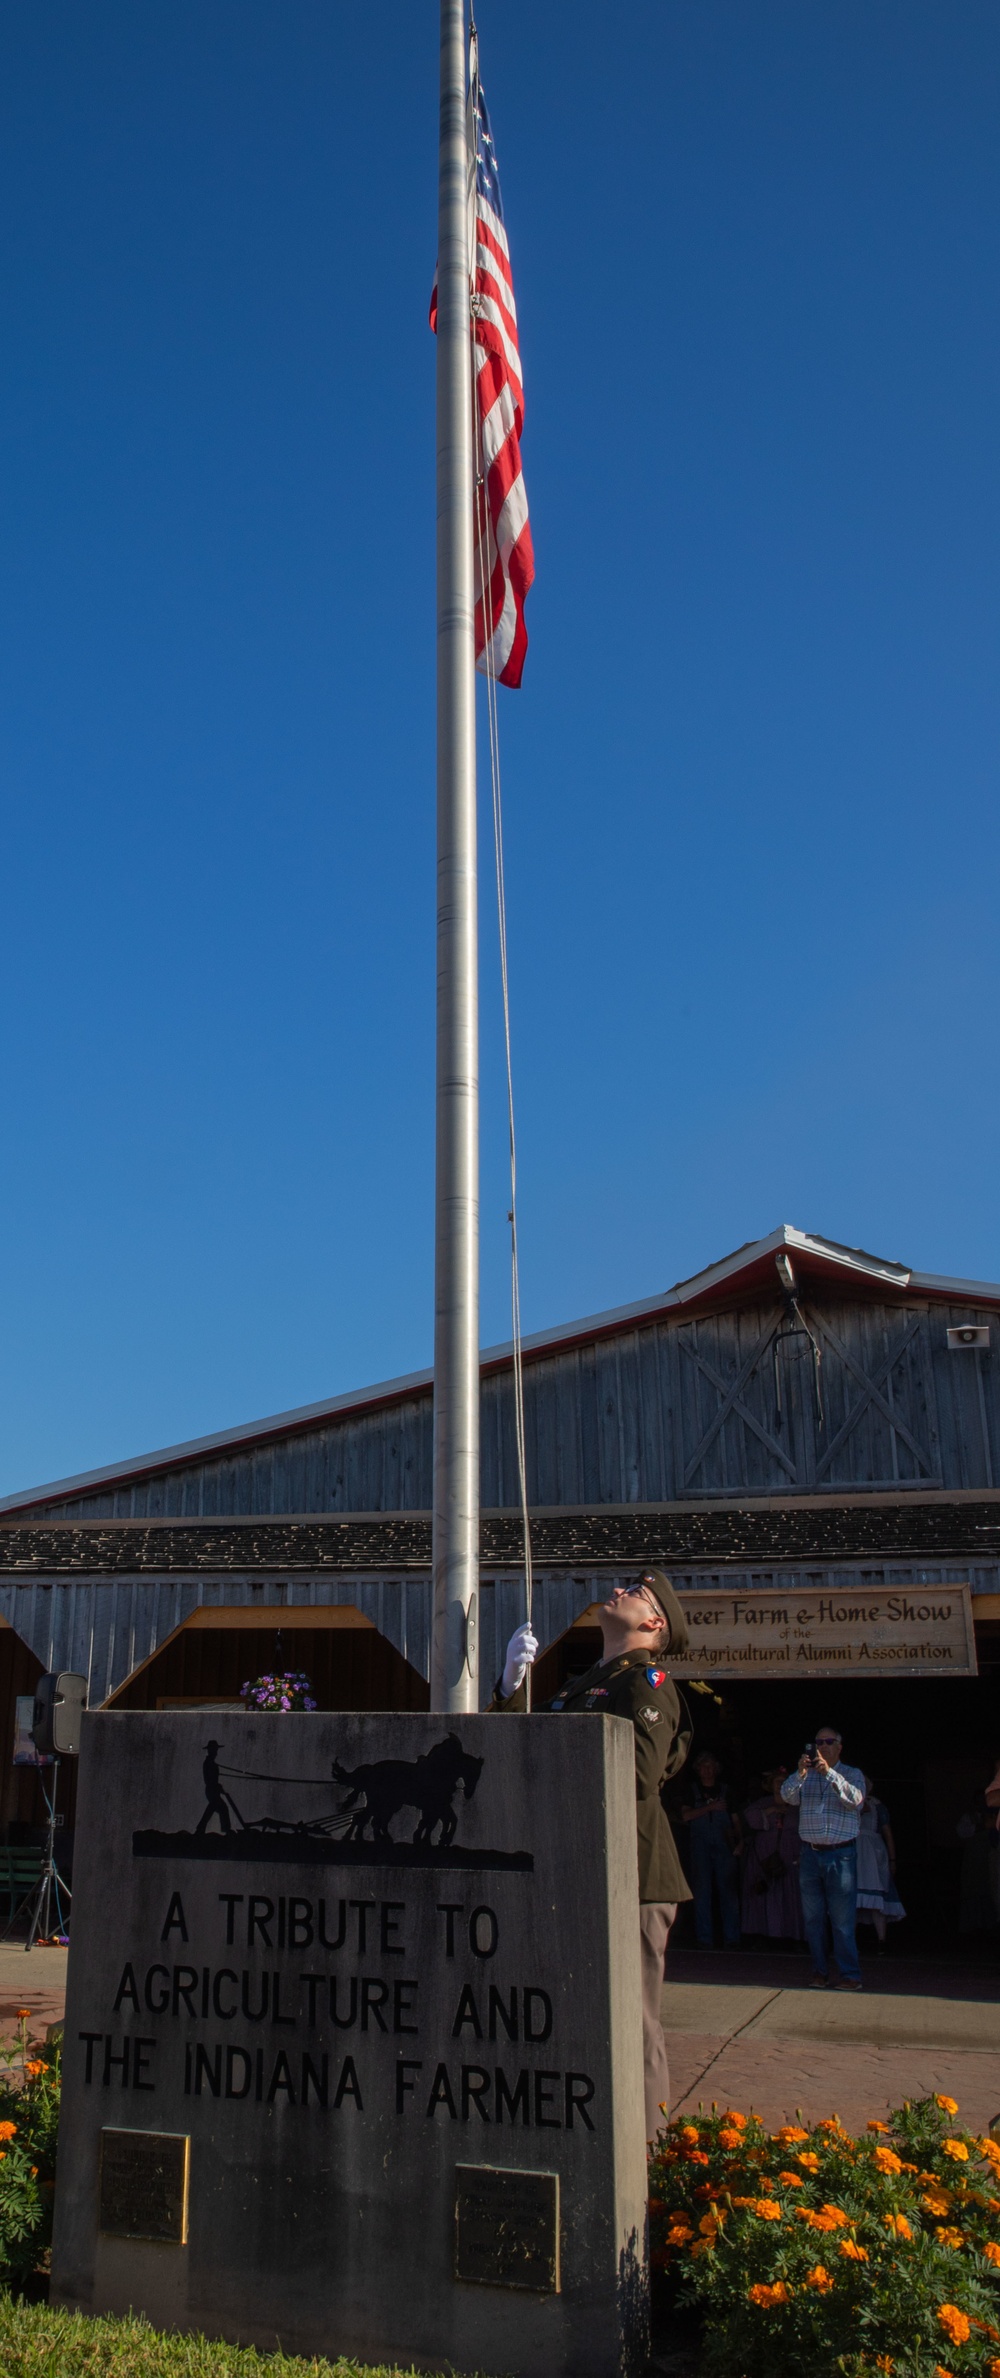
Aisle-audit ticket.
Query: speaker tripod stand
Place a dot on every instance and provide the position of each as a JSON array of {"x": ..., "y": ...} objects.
[{"x": 50, "y": 1887}]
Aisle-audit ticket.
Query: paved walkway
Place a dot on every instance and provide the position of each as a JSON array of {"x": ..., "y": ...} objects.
[
  {"x": 744, "y": 2030},
  {"x": 35, "y": 1978}
]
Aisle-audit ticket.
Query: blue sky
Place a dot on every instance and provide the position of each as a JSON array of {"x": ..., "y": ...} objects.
[{"x": 750, "y": 778}]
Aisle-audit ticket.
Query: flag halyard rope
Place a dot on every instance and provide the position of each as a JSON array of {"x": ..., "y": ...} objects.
[{"x": 488, "y": 666}]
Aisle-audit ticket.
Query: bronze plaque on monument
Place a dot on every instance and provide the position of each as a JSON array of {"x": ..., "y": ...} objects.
[
  {"x": 144, "y": 2185},
  {"x": 507, "y": 2227}
]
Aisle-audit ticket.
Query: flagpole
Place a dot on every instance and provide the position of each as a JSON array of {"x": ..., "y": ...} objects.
[{"x": 455, "y": 1554}]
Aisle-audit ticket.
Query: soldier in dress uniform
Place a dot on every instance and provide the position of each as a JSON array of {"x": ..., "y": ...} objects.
[{"x": 641, "y": 1625}]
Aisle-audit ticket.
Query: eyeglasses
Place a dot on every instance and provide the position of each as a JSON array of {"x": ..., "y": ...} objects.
[
  {"x": 641, "y": 1589},
  {"x": 823, "y": 1738}
]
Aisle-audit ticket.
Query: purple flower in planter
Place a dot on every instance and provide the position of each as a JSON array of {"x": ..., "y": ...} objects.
[{"x": 285, "y": 1694}]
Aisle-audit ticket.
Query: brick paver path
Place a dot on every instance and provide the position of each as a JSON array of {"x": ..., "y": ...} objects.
[{"x": 744, "y": 2031}]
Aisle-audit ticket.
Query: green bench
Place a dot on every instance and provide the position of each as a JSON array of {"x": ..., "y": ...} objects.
[{"x": 19, "y": 1873}]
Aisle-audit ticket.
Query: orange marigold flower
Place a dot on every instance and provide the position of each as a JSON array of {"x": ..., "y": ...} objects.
[
  {"x": 907, "y": 2167},
  {"x": 708, "y": 2225},
  {"x": 789, "y": 2133},
  {"x": 949, "y": 2237},
  {"x": 851, "y": 2251},
  {"x": 991, "y": 2251},
  {"x": 729, "y": 2138},
  {"x": 829, "y": 2122},
  {"x": 810, "y": 2163},
  {"x": 743, "y": 2202},
  {"x": 993, "y": 2369},
  {"x": 767, "y": 2208},
  {"x": 8, "y": 2130},
  {"x": 695, "y": 2155},
  {"x": 882, "y": 2126},
  {"x": 739, "y": 2121},
  {"x": 688, "y": 2131},
  {"x": 24, "y": 2014},
  {"x": 886, "y": 2161},
  {"x": 956, "y": 2325},
  {"x": 34, "y": 2068},
  {"x": 948, "y": 2105},
  {"x": 957, "y": 2149},
  {"x": 884, "y": 2361},
  {"x": 819, "y": 2278},
  {"x": 778, "y": 2293},
  {"x": 791, "y": 2179},
  {"x": 833, "y": 2214},
  {"x": 898, "y": 2224}
]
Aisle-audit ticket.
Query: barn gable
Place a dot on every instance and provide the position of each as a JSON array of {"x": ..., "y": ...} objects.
[
  {"x": 794, "y": 1366},
  {"x": 795, "y": 1411}
]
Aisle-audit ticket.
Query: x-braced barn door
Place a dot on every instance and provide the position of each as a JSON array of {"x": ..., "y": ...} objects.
[{"x": 793, "y": 1398}]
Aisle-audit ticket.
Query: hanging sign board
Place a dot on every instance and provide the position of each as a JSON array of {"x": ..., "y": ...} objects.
[{"x": 899, "y": 1630}]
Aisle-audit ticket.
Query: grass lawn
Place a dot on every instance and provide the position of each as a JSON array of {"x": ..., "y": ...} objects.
[{"x": 37, "y": 2342}]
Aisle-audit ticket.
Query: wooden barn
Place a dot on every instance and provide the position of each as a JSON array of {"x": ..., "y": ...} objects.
[{"x": 802, "y": 1425}]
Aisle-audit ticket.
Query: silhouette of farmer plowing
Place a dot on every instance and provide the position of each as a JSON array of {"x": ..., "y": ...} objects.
[{"x": 218, "y": 1800}]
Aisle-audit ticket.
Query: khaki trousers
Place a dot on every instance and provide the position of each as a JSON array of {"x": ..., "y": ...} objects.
[{"x": 655, "y": 1919}]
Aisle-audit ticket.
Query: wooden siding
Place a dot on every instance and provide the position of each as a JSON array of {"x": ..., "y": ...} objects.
[
  {"x": 732, "y": 1403},
  {"x": 104, "y": 1628}
]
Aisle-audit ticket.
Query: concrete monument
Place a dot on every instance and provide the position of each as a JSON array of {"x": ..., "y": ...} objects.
[{"x": 353, "y": 2038}]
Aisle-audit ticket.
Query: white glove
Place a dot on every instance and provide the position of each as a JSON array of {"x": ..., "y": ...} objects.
[{"x": 521, "y": 1650}]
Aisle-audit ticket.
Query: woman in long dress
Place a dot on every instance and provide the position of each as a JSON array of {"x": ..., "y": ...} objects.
[
  {"x": 879, "y": 1902},
  {"x": 770, "y": 1877}
]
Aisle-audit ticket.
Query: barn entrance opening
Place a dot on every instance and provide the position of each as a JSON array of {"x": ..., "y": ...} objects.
[
  {"x": 24, "y": 1815},
  {"x": 350, "y": 1664},
  {"x": 930, "y": 1746}
]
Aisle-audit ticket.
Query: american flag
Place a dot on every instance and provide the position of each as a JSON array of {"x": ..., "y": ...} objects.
[{"x": 504, "y": 558}]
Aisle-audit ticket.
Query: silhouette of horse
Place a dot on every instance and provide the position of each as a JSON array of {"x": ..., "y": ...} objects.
[{"x": 428, "y": 1784}]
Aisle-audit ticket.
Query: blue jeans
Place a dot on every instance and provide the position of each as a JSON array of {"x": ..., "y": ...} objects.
[
  {"x": 712, "y": 1861},
  {"x": 828, "y": 1886}
]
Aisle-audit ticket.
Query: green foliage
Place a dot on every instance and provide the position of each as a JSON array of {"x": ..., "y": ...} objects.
[
  {"x": 812, "y": 2250},
  {"x": 36, "y": 2341},
  {"x": 29, "y": 2121}
]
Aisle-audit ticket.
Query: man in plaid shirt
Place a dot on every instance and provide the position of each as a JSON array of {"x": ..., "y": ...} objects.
[{"x": 829, "y": 1798}]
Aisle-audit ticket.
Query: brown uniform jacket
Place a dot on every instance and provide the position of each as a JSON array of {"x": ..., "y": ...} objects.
[{"x": 625, "y": 1687}]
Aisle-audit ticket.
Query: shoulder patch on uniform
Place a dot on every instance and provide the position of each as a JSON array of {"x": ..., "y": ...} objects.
[
  {"x": 652, "y": 1716},
  {"x": 656, "y": 1676}
]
